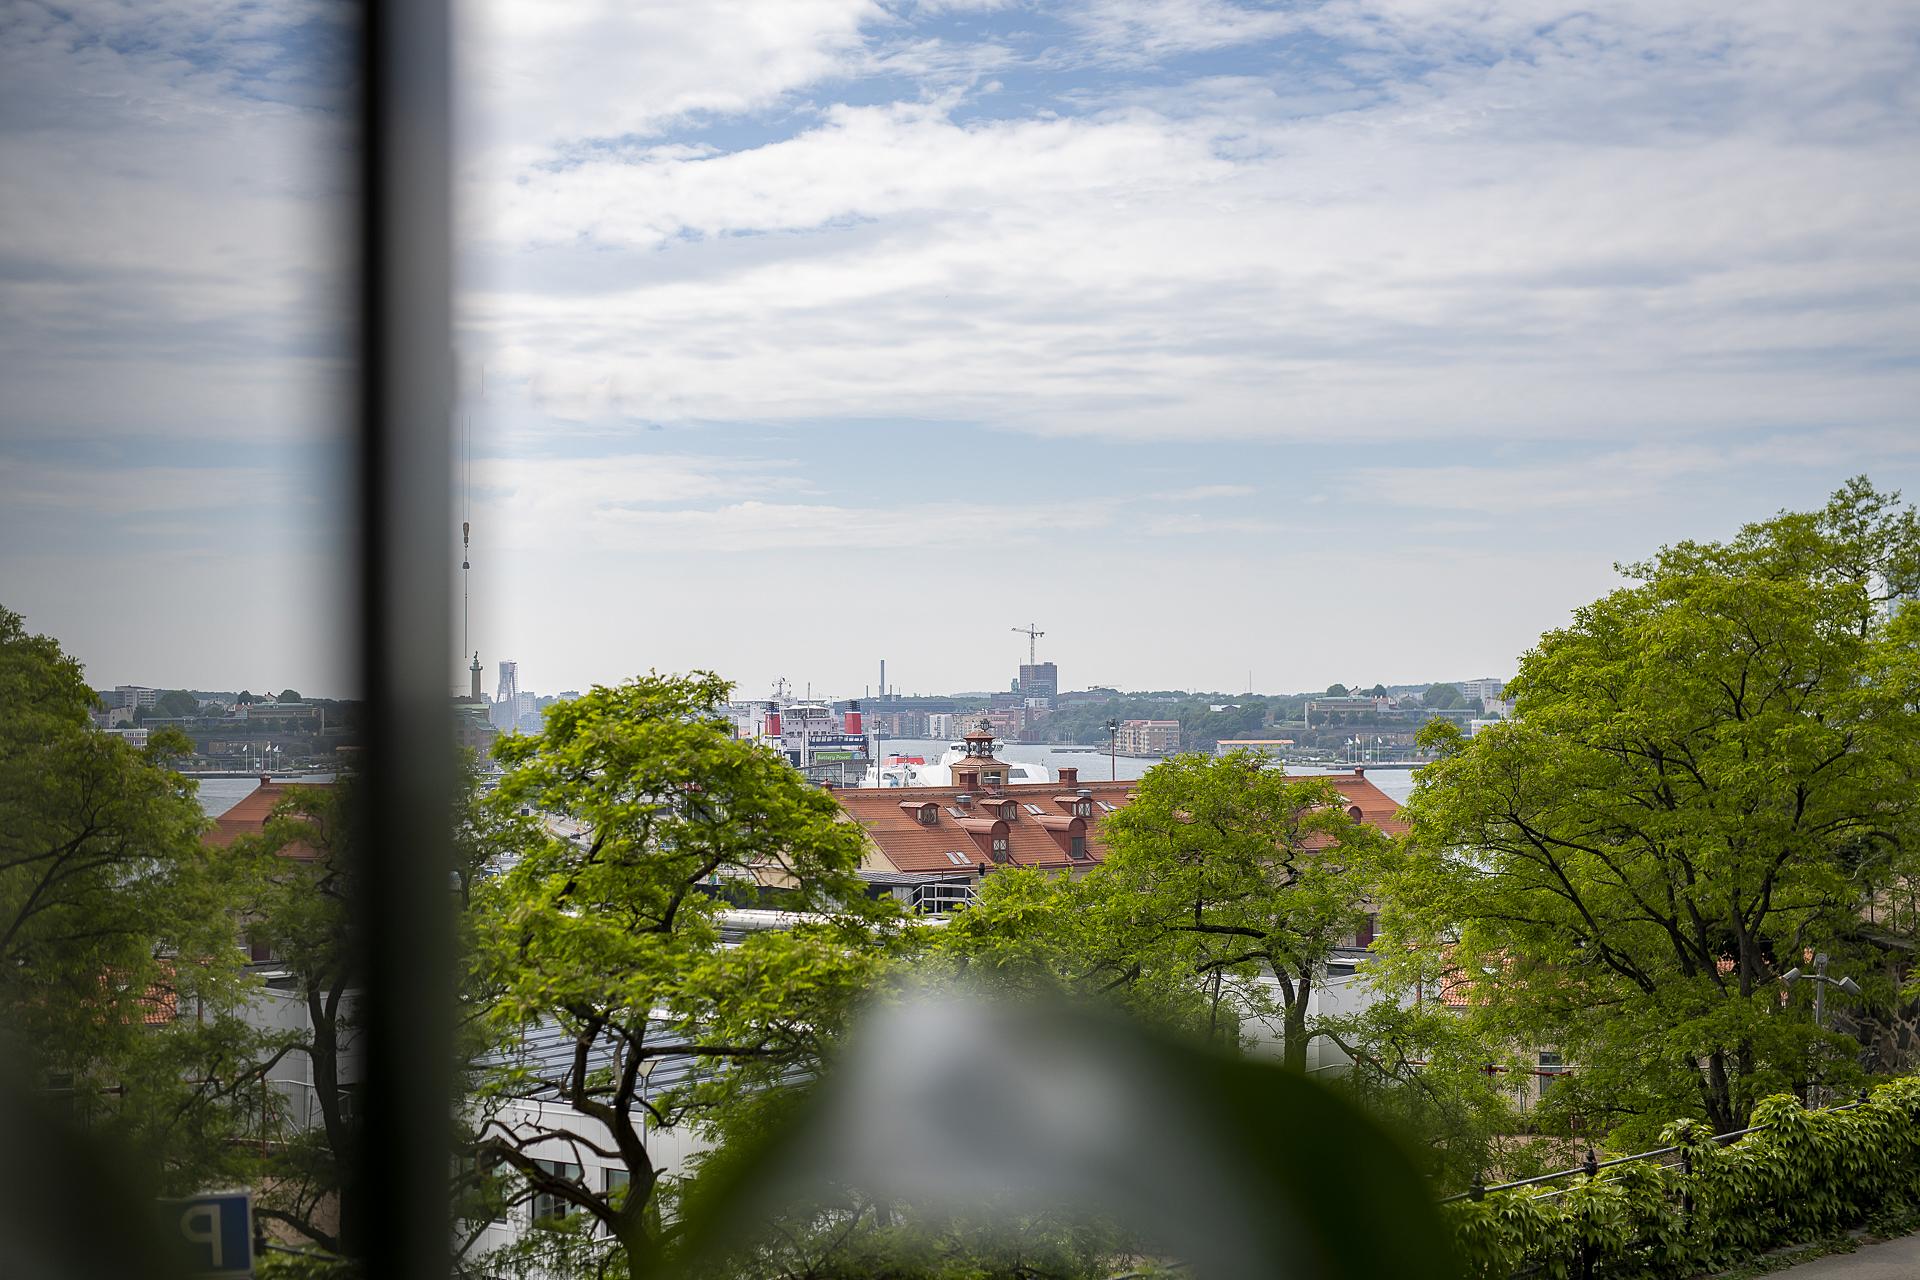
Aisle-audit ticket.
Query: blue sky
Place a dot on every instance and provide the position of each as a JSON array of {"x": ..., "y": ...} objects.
[{"x": 1329, "y": 341}]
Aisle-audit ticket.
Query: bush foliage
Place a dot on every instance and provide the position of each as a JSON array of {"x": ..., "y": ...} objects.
[{"x": 1801, "y": 1175}]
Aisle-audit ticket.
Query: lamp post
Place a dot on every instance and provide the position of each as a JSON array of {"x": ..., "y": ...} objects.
[
  {"x": 1821, "y": 982},
  {"x": 1113, "y": 750}
]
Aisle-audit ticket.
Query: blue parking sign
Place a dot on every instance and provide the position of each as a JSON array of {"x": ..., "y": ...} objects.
[{"x": 213, "y": 1231}]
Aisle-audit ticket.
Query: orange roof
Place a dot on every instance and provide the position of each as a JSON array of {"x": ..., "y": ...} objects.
[
  {"x": 249, "y": 818},
  {"x": 1043, "y": 839},
  {"x": 891, "y": 817},
  {"x": 1377, "y": 808}
]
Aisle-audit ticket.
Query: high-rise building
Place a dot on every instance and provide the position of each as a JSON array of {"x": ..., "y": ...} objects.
[
  {"x": 1483, "y": 690},
  {"x": 1039, "y": 680},
  {"x": 508, "y": 694}
]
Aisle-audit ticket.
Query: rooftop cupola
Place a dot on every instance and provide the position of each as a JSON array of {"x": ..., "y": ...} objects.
[{"x": 979, "y": 741}]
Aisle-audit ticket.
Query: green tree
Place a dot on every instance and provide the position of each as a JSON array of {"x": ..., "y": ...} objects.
[
  {"x": 119, "y": 973},
  {"x": 302, "y": 874},
  {"x": 620, "y": 819},
  {"x": 1701, "y": 765},
  {"x": 1238, "y": 874},
  {"x": 289, "y": 695},
  {"x": 176, "y": 703},
  {"x": 1443, "y": 697},
  {"x": 1336, "y": 691},
  {"x": 1225, "y": 888}
]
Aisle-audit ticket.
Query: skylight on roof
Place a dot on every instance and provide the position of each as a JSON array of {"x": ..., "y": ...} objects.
[
  {"x": 1034, "y": 808},
  {"x": 955, "y": 813},
  {"x": 957, "y": 859}
]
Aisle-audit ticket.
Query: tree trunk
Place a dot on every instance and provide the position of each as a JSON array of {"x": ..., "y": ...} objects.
[{"x": 1293, "y": 1048}]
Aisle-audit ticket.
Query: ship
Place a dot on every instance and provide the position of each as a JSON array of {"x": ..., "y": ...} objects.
[{"x": 828, "y": 747}]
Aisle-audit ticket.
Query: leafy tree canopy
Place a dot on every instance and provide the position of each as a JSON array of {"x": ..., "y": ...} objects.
[
  {"x": 1443, "y": 697},
  {"x": 112, "y": 919},
  {"x": 1336, "y": 691},
  {"x": 176, "y": 703},
  {"x": 619, "y": 819},
  {"x": 1225, "y": 888},
  {"x": 1702, "y": 764},
  {"x": 289, "y": 695}
]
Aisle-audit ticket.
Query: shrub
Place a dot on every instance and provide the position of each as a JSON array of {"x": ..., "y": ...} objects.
[{"x": 1800, "y": 1174}]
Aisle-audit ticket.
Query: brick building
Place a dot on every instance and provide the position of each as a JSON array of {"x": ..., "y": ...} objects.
[{"x": 931, "y": 846}]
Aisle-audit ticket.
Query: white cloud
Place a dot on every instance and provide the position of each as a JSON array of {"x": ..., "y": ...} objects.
[{"x": 1557, "y": 243}]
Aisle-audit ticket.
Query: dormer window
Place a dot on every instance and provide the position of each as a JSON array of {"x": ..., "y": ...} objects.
[
  {"x": 1009, "y": 811},
  {"x": 1077, "y": 847},
  {"x": 929, "y": 814},
  {"x": 1083, "y": 808},
  {"x": 999, "y": 848}
]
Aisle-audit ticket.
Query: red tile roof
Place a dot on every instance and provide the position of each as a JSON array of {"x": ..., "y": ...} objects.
[
  {"x": 1044, "y": 839},
  {"x": 249, "y": 818}
]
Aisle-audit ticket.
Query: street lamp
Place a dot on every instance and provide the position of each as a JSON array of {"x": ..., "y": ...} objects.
[
  {"x": 1113, "y": 750},
  {"x": 1821, "y": 982}
]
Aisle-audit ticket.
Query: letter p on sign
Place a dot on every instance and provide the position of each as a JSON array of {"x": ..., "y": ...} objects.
[{"x": 215, "y": 1232}]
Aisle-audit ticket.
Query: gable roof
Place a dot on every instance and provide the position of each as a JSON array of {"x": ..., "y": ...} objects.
[
  {"x": 903, "y": 843},
  {"x": 249, "y": 817}
]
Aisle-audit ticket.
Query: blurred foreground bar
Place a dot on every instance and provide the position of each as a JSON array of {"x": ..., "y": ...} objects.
[{"x": 402, "y": 921}]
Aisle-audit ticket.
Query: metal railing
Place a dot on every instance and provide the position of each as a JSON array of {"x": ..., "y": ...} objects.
[
  {"x": 1590, "y": 1169},
  {"x": 1592, "y": 1165}
]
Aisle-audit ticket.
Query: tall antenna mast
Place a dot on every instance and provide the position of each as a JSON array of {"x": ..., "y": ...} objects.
[
  {"x": 466, "y": 522},
  {"x": 1033, "y": 633}
]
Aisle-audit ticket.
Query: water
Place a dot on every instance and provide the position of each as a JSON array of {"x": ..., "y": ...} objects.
[{"x": 1096, "y": 766}]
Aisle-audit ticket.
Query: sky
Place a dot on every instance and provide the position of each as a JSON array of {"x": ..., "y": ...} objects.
[{"x": 1227, "y": 343}]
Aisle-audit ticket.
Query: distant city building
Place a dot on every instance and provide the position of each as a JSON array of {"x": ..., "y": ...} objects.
[
  {"x": 129, "y": 696},
  {"x": 1328, "y": 710},
  {"x": 943, "y": 724},
  {"x": 1148, "y": 738},
  {"x": 1039, "y": 680},
  {"x": 1485, "y": 690},
  {"x": 473, "y": 728},
  {"x": 1270, "y": 747}
]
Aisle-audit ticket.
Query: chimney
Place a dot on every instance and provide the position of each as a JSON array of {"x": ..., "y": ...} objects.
[
  {"x": 773, "y": 720},
  {"x": 853, "y": 722},
  {"x": 1359, "y": 771},
  {"x": 1069, "y": 775},
  {"x": 265, "y": 778}
]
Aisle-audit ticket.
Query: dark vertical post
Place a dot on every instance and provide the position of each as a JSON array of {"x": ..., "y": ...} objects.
[
  {"x": 1591, "y": 1165},
  {"x": 402, "y": 927}
]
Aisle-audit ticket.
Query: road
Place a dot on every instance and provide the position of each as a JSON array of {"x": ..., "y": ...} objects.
[{"x": 1891, "y": 1260}]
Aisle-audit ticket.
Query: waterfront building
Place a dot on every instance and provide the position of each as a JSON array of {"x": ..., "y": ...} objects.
[
  {"x": 1273, "y": 748},
  {"x": 1147, "y": 738}
]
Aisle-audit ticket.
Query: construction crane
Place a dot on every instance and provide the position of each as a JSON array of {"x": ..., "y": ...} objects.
[{"x": 1033, "y": 633}]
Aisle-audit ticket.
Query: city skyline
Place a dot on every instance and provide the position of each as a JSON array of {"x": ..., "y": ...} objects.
[{"x": 1345, "y": 340}]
